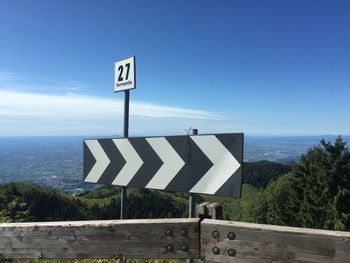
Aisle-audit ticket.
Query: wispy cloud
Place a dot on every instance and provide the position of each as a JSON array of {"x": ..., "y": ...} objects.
[
  {"x": 4, "y": 75},
  {"x": 72, "y": 106},
  {"x": 26, "y": 108},
  {"x": 31, "y": 113},
  {"x": 37, "y": 84}
]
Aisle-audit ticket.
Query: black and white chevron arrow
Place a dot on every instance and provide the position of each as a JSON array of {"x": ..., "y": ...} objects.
[{"x": 206, "y": 164}]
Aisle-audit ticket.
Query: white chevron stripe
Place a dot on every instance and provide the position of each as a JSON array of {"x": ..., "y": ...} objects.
[
  {"x": 172, "y": 163},
  {"x": 102, "y": 161},
  {"x": 132, "y": 165},
  {"x": 224, "y": 164}
]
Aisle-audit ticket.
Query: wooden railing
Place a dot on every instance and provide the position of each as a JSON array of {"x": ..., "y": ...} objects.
[
  {"x": 225, "y": 241},
  {"x": 209, "y": 240}
]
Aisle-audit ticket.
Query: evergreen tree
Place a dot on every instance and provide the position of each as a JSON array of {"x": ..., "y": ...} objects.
[
  {"x": 277, "y": 205},
  {"x": 315, "y": 194},
  {"x": 325, "y": 175},
  {"x": 259, "y": 174}
]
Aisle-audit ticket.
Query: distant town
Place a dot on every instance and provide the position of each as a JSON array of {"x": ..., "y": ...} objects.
[{"x": 57, "y": 161}]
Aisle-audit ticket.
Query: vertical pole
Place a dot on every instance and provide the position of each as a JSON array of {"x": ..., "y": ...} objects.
[
  {"x": 191, "y": 198},
  {"x": 126, "y": 134},
  {"x": 191, "y": 205},
  {"x": 122, "y": 200},
  {"x": 126, "y": 113}
]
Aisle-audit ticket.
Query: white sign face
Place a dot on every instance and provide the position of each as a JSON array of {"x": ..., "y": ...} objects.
[{"x": 125, "y": 75}]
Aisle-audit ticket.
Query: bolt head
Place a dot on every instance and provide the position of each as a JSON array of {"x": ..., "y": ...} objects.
[
  {"x": 185, "y": 248},
  {"x": 231, "y": 252},
  {"x": 169, "y": 248},
  {"x": 231, "y": 236},
  {"x": 216, "y": 235},
  {"x": 183, "y": 232},
  {"x": 168, "y": 232},
  {"x": 216, "y": 250}
]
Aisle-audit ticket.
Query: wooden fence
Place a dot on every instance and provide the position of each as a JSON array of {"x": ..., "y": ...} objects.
[
  {"x": 209, "y": 240},
  {"x": 225, "y": 241}
]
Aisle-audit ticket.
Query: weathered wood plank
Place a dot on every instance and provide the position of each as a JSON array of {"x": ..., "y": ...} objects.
[
  {"x": 156, "y": 238},
  {"x": 221, "y": 241},
  {"x": 267, "y": 243}
]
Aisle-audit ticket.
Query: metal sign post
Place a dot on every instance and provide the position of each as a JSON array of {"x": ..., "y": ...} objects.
[
  {"x": 191, "y": 197},
  {"x": 125, "y": 79},
  {"x": 126, "y": 135}
]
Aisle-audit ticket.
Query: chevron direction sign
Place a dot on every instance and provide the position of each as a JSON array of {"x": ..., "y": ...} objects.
[{"x": 204, "y": 164}]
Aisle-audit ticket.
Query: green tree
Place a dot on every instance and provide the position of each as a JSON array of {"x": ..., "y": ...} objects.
[
  {"x": 315, "y": 194},
  {"x": 259, "y": 174},
  {"x": 324, "y": 174},
  {"x": 277, "y": 205}
]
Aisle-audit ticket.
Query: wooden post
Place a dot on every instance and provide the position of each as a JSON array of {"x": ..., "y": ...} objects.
[
  {"x": 201, "y": 211},
  {"x": 209, "y": 210},
  {"x": 215, "y": 211}
]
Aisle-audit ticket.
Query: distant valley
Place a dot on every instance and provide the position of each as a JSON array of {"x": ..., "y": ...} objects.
[{"x": 57, "y": 161}]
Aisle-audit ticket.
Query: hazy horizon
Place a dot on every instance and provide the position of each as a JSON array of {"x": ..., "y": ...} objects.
[{"x": 170, "y": 134}]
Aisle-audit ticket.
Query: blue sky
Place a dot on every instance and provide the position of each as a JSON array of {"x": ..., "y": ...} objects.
[{"x": 259, "y": 67}]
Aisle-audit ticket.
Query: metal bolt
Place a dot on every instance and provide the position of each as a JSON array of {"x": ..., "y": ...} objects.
[
  {"x": 185, "y": 248},
  {"x": 231, "y": 236},
  {"x": 216, "y": 250},
  {"x": 231, "y": 252},
  {"x": 168, "y": 232},
  {"x": 169, "y": 248},
  {"x": 183, "y": 232},
  {"x": 216, "y": 235}
]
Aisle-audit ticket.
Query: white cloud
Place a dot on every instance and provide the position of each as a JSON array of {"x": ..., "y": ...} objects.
[
  {"x": 6, "y": 75},
  {"x": 37, "y": 84},
  {"x": 27, "y": 110},
  {"x": 73, "y": 106},
  {"x": 24, "y": 113}
]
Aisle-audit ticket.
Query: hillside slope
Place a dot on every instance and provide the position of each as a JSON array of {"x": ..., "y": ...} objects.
[{"x": 25, "y": 202}]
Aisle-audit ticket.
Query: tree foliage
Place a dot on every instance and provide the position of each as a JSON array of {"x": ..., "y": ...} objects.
[
  {"x": 259, "y": 174},
  {"x": 21, "y": 202},
  {"x": 315, "y": 194}
]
